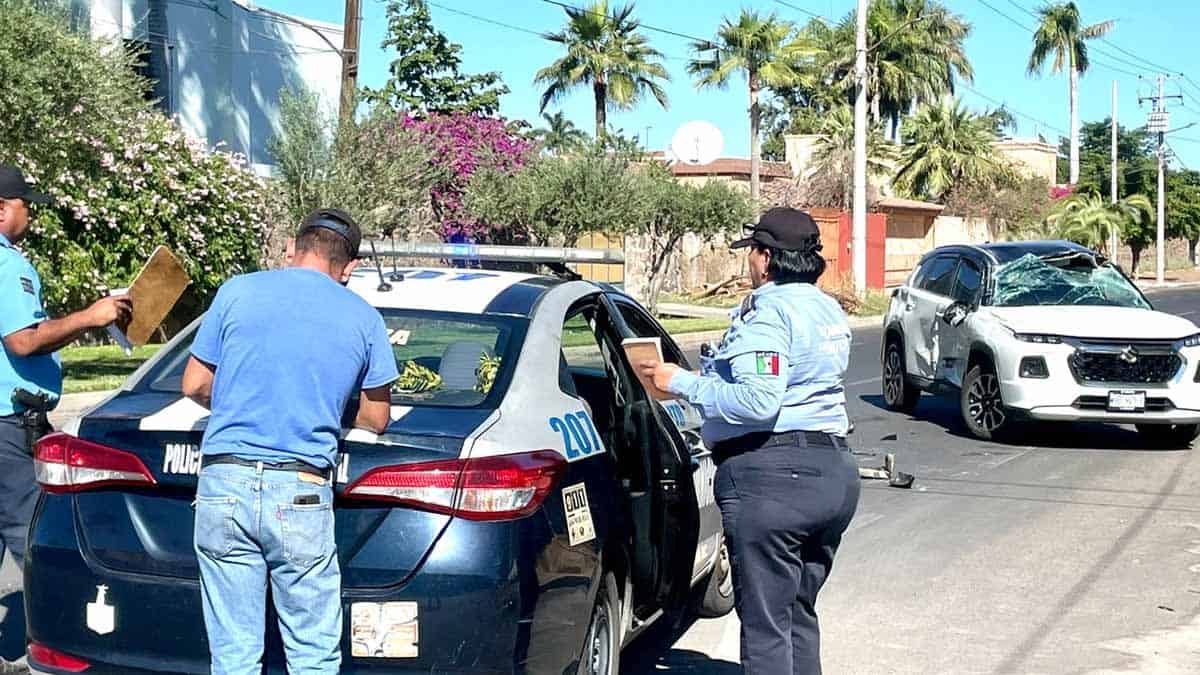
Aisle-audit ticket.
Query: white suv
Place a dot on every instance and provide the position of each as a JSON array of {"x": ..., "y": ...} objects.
[{"x": 1043, "y": 330}]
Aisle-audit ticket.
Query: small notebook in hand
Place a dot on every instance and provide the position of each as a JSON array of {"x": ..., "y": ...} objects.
[{"x": 639, "y": 350}]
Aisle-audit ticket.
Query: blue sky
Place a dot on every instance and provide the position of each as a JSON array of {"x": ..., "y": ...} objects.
[{"x": 1159, "y": 32}]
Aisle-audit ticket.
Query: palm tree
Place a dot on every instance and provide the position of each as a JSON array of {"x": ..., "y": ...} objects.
[
  {"x": 560, "y": 134},
  {"x": 1060, "y": 33},
  {"x": 832, "y": 168},
  {"x": 1089, "y": 219},
  {"x": 916, "y": 54},
  {"x": 765, "y": 49},
  {"x": 604, "y": 51},
  {"x": 946, "y": 145}
]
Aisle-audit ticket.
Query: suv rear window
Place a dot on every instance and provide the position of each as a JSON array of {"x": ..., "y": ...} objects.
[{"x": 444, "y": 359}]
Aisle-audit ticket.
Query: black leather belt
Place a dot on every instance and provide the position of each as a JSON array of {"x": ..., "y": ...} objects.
[
  {"x": 766, "y": 439},
  {"x": 293, "y": 465}
]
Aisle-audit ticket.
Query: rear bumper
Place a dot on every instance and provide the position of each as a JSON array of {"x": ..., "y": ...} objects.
[{"x": 523, "y": 610}]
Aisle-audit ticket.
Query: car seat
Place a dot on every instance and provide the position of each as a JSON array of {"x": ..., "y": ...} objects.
[{"x": 459, "y": 363}]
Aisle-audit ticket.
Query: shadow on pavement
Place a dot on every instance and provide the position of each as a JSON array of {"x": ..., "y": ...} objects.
[
  {"x": 654, "y": 651},
  {"x": 944, "y": 412},
  {"x": 12, "y": 627}
]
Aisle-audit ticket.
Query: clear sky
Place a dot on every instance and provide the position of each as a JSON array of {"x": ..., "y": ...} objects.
[{"x": 1158, "y": 32}]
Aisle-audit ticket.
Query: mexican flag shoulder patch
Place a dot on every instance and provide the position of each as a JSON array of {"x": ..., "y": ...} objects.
[{"x": 768, "y": 363}]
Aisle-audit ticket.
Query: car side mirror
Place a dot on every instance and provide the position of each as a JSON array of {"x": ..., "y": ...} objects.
[{"x": 956, "y": 313}]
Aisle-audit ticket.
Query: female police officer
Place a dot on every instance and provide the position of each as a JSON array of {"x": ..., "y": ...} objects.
[{"x": 774, "y": 412}]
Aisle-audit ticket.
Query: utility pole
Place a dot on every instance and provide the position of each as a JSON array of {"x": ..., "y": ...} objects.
[
  {"x": 1158, "y": 123},
  {"x": 1115, "y": 240},
  {"x": 859, "y": 216},
  {"x": 350, "y": 39}
]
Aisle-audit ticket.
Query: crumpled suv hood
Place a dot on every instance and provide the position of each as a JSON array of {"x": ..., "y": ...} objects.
[{"x": 1094, "y": 321}]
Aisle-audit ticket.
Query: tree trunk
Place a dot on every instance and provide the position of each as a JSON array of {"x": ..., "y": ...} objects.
[
  {"x": 1074, "y": 176},
  {"x": 1193, "y": 242},
  {"x": 660, "y": 260},
  {"x": 1136, "y": 253},
  {"x": 600, "y": 89},
  {"x": 754, "y": 162}
]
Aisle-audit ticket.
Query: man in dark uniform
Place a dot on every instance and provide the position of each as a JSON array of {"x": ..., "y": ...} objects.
[
  {"x": 774, "y": 409},
  {"x": 29, "y": 363}
]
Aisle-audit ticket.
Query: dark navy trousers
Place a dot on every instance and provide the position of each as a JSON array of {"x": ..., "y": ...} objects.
[
  {"x": 784, "y": 510},
  {"x": 18, "y": 488}
]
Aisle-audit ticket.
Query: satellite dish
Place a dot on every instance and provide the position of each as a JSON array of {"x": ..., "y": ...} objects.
[{"x": 697, "y": 142}]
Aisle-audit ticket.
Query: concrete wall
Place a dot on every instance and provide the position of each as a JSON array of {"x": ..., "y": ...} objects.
[
  {"x": 228, "y": 65},
  {"x": 1032, "y": 157}
]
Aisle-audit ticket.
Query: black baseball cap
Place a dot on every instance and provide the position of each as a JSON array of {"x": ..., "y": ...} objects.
[
  {"x": 14, "y": 186},
  {"x": 338, "y": 221},
  {"x": 783, "y": 229}
]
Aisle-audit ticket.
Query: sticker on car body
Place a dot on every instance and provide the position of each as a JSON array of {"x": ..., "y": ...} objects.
[{"x": 580, "y": 528}]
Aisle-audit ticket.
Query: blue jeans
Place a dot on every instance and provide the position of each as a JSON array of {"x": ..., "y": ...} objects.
[{"x": 249, "y": 531}]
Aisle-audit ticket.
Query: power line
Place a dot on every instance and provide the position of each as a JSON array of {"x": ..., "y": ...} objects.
[
  {"x": 486, "y": 20},
  {"x": 814, "y": 15},
  {"x": 665, "y": 31},
  {"x": 1031, "y": 31},
  {"x": 1011, "y": 109}
]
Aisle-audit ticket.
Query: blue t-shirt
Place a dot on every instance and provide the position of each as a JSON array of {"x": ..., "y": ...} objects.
[
  {"x": 20, "y": 308},
  {"x": 291, "y": 348}
]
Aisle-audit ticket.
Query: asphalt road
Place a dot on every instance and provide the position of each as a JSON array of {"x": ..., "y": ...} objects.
[{"x": 1075, "y": 550}]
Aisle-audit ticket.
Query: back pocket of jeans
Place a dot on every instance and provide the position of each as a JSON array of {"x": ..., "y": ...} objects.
[
  {"x": 214, "y": 525},
  {"x": 307, "y": 532}
]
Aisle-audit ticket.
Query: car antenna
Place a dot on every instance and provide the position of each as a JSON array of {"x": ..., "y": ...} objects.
[
  {"x": 395, "y": 275},
  {"x": 384, "y": 286}
]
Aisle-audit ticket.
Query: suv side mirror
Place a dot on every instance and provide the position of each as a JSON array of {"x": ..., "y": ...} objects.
[{"x": 956, "y": 313}]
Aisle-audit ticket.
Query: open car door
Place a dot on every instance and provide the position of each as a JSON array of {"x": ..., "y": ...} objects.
[{"x": 666, "y": 519}]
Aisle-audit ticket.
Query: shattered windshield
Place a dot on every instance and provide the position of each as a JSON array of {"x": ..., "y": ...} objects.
[{"x": 1066, "y": 280}]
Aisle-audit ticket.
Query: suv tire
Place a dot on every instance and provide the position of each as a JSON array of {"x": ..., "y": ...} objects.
[
  {"x": 1172, "y": 436},
  {"x": 899, "y": 394},
  {"x": 983, "y": 409}
]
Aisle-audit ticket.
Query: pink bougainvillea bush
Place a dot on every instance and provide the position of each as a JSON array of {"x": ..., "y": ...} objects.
[{"x": 462, "y": 144}]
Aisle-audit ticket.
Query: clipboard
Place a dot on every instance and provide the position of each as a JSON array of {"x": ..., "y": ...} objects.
[
  {"x": 154, "y": 292},
  {"x": 638, "y": 350}
]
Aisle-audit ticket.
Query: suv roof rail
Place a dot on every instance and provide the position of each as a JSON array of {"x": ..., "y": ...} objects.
[{"x": 549, "y": 255}]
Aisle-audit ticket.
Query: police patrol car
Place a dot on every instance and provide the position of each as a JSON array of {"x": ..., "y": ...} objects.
[{"x": 529, "y": 509}]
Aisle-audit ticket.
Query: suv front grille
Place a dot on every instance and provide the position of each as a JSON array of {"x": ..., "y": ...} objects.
[{"x": 1105, "y": 367}]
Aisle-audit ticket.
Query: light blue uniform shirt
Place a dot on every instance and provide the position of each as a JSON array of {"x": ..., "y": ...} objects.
[
  {"x": 292, "y": 347},
  {"x": 20, "y": 308},
  {"x": 779, "y": 368}
]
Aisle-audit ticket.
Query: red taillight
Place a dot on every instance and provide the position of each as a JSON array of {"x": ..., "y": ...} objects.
[
  {"x": 42, "y": 655},
  {"x": 489, "y": 488},
  {"x": 63, "y": 463}
]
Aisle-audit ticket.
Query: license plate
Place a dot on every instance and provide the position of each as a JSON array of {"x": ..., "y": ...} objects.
[{"x": 1127, "y": 401}]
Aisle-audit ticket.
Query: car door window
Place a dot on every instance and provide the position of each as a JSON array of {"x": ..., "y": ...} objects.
[
  {"x": 939, "y": 279},
  {"x": 967, "y": 282},
  {"x": 643, "y": 326}
]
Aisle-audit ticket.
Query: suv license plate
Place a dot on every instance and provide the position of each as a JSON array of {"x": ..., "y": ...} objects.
[{"x": 1127, "y": 401}]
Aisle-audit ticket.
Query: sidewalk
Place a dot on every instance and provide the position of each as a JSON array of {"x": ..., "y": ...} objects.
[{"x": 1171, "y": 279}]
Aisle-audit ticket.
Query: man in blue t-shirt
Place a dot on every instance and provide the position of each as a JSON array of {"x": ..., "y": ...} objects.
[
  {"x": 278, "y": 358},
  {"x": 28, "y": 360}
]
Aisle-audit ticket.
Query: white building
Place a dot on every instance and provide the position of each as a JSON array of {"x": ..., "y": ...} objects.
[{"x": 226, "y": 62}]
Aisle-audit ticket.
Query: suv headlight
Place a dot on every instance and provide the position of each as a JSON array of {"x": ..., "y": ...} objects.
[
  {"x": 1038, "y": 338},
  {"x": 1190, "y": 341}
]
